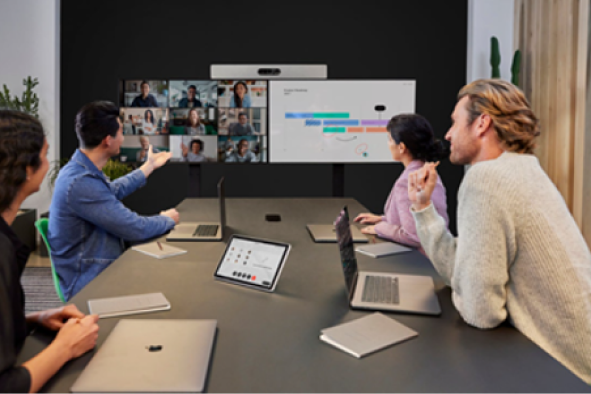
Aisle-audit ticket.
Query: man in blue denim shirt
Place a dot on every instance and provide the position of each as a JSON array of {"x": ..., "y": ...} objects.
[{"x": 88, "y": 222}]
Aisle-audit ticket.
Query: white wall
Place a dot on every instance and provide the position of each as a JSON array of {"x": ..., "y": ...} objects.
[
  {"x": 487, "y": 18},
  {"x": 29, "y": 45}
]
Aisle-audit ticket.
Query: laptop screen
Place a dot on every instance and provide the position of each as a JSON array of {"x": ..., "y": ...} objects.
[
  {"x": 345, "y": 242},
  {"x": 222, "y": 198}
]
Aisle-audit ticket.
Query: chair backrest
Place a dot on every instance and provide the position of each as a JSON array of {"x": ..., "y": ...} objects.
[{"x": 42, "y": 225}]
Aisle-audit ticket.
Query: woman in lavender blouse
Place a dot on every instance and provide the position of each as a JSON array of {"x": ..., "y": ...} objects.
[{"x": 411, "y": 142}]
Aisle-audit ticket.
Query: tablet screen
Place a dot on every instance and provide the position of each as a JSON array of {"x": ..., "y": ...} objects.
[{"x": 252, "y": 261}]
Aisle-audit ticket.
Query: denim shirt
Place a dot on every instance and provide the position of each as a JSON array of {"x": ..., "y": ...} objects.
[{"x": 88, "y": 223}]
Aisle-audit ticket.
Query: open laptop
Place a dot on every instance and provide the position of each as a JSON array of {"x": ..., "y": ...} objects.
[
  {"x": 199, "y": 231},
  {"x": 382, "y": 291},
  {"x": 327, "y": 233},
  {"x": 151, "y": 356}
]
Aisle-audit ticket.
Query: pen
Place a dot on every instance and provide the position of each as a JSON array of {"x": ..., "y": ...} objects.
[{"x": 158, "y": 243}]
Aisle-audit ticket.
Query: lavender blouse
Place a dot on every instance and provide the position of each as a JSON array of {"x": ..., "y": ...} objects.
[{"x": 397, "y": 222}]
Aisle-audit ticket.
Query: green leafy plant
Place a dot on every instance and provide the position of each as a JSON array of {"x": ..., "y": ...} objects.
[
  {"x": 29, "y": 102},
  {"x": 113, "y": 170},
  {"x": 116, "y": 169}
]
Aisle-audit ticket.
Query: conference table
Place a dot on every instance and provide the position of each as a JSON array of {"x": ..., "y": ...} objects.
[{"x": 269, "y": 342}]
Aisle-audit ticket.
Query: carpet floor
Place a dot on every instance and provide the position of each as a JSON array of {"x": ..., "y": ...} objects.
[{"x": 39, "y": 290}]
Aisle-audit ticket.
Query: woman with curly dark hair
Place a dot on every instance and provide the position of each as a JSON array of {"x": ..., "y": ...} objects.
[{"x": 23, "y": 165}]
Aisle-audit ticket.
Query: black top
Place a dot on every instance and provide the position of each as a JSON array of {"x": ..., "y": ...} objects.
[
  {"x": 13, "y": 325},
  {"x": 184, "y": 103},
  {"x": 148, "y": 102}
]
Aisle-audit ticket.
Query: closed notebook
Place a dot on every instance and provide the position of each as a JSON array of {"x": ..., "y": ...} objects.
[
  {"x": 382, "y": 249},
  {"x": 128, "y": 305},
  {"x": 158, "y": 250},
  {"x": 367, "y": 335}
]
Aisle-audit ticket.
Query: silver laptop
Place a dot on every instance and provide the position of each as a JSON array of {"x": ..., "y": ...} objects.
[
  {"x": 151, "y": 356},
  {"x": 382, "y": 291},
  {"x": 327, "y": 233},
  {"x": 269, "y": 71},
  {"x": 202, "y": 231}
]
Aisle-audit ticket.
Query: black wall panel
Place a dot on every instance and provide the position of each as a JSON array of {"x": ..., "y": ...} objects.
[{"x": 103, "y": 42}]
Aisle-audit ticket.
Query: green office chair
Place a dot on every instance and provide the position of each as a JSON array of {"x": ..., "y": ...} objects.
[{"x": 42, "y": 225}]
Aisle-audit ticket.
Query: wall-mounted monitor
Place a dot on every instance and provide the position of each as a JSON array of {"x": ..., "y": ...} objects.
[
  {"x": 259, "y": 121},
  {"x": 198, "y": 121},
  {"x": 335, "y": 121}
]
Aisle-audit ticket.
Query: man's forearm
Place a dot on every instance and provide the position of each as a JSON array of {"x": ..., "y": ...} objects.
[{"x": 439, "y": 244}]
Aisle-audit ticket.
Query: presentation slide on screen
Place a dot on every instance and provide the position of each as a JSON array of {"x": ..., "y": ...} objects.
[
  {"x": 335, "y": 121},
  {"x": 253, "y": 262}
]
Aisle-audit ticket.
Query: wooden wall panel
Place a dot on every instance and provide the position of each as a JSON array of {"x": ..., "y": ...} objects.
[{"x": 553, "y": 36}]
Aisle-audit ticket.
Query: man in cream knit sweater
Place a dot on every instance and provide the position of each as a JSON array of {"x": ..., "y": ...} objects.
[{"x": 519, "y": 254}]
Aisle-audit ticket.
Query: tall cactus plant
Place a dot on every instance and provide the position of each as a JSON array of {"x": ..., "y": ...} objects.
[
  {"x": 495, "y": 61},
  {"x": 495, "y": 57},
  {"x": 515, "y": 67}
]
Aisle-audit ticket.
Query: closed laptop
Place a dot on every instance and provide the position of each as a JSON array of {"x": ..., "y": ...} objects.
[{"x": 143, "y": 355}]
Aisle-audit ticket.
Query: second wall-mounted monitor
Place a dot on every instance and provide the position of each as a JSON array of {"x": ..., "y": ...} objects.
[{"x": 338, "y": 121}]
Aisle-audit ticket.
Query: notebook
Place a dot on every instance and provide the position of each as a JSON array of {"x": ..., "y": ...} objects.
[
  {"x": 128, "y": 305},
  {"x": 367, "y": 335},
  {"x": 382, "y": 249},
  {"x": 162, "y": 356},
  {"x": 159, "y": 250}
]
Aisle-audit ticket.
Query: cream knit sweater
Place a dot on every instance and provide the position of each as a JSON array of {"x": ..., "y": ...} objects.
[{"x": 519, "y": 255}]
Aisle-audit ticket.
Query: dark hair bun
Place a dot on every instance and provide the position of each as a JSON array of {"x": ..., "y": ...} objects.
[{"x": 436, "y": 151}]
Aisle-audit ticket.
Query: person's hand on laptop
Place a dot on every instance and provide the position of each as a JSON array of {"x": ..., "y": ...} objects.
[
  {"x": 370, "y": 230},
  {"x": 368, "y": 218},
  {"x": 421, "y": 184},
  {"x": 173, "y": 214},
  {"x": 54, "y": 319},
  {"x": 77, "y": 336},
  {"x": 154, "y": 161}
]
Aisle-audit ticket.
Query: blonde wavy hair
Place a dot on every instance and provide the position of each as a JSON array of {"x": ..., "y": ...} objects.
[{"x": 511, "y": 115}]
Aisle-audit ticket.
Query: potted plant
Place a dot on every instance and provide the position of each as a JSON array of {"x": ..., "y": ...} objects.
[
  {"x": 29, "y": 102},
  {"x": 113, "y": 169}
]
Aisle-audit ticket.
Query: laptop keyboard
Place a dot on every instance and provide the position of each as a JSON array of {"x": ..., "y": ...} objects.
[
  {"x": 381, "y": 290},
  {"x": 206, "y": 230}
]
